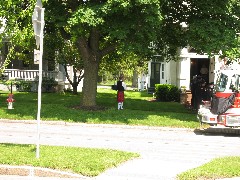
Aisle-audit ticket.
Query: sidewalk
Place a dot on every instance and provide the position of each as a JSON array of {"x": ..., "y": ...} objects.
[{"x": 29, "y": 172}]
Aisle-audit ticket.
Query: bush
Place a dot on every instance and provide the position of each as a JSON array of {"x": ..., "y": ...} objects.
[
  {"x": 48, "y": 84},
  {"x": 167, "y": 92},
  {"x": 23, "y": 86}
]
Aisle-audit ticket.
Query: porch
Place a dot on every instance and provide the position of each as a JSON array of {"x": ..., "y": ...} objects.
[
  {"x": 31, "y": 75},
  {"x": 31, "y": 78}
]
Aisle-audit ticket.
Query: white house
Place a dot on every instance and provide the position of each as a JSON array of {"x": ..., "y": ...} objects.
[
  {"x": 181, "y": 72},
  {"x": 18, "y": 70}
]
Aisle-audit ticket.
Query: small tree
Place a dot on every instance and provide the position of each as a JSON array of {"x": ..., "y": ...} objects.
[
  {"x": 127, "y": 63},
  {"x": 69, "y": 56}
]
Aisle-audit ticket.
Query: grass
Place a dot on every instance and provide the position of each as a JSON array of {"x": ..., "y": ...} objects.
[
  {"x": 218, "y": 168},
  {"x": 85, "y": 161},
  {"x": 138, "y": 109}
]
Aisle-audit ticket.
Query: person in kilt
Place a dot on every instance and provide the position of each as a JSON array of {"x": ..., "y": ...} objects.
[{"x": 121, "y": 87}]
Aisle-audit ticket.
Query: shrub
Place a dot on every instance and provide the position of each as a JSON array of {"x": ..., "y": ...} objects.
[
  {"x": 48, "y": 84},
  {"x": 167, "y": 92},
  {"x": 22, "y": 85}
]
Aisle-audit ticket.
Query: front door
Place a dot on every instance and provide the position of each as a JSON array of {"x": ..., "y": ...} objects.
[
  {"x": 200, "y": 67},
  {"x": 155, "y": 74}
]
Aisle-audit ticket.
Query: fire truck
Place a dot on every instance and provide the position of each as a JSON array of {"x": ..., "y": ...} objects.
[{"x": 224, "y": 107}]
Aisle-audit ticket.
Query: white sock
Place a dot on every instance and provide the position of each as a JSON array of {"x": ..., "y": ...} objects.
[{"x": 119, "y": 105}]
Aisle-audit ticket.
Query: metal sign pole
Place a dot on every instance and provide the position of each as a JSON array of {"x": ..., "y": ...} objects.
[{"x": 38, "y": 25}]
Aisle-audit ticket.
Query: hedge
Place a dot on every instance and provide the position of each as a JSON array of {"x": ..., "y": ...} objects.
[{"x": 167, "y": 92}]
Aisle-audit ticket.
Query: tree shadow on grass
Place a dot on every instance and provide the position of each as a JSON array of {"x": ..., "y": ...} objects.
[
  {"x": 136, "y": 111},
  {"x": 14, "y": 145},
  {"x": 30, "y": 147}
]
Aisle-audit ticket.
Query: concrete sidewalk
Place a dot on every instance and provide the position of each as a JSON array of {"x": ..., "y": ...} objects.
[{"x": 29, "y": 172}]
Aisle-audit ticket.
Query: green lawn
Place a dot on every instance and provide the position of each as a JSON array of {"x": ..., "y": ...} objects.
[
  {"x": 138, "y": 109},
  {"x": 218, "y": 168},
  {"x": 85, "y": 161}
]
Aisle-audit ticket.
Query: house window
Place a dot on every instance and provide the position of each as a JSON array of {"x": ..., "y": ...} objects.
[{"x": 162, "y": 71}]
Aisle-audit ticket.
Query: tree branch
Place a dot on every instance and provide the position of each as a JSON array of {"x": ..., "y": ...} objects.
[
  {"x": 81, "y": 75},
  {"x": 83, "y": 48},
  {"x": 108, "y": 49},
  {"x": 94, "y": 40},
  {"x": 64, "y": 34},
  {"x": 67, "y": 75}
]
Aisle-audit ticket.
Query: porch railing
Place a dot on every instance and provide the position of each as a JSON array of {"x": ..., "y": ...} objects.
[{"x": 31, "y": 75}]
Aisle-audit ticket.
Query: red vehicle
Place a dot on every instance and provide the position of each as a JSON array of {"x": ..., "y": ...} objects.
[{"x": 224, "y": 107}]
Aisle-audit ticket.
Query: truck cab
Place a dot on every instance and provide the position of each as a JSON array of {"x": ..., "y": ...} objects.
[{"x": 224, "y": 107}]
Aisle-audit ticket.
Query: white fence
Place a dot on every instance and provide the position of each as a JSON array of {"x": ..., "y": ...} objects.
[{"x": 31, "y": 75}]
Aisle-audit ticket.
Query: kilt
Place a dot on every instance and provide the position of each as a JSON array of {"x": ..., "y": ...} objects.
[{"x": 120, "y": 96}]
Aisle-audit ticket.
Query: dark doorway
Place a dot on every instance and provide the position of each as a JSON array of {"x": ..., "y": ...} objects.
[
  {"x": 155, "y": 73},
  {"x": 196, "y": 68}
]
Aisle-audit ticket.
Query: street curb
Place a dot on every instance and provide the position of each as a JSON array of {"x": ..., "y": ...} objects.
[
  {"x": 37, "y": 171},
  {"x": 98, "y": 125},
  {"x": 211, "y": 130},
  {"x": 219, "y": 131}
]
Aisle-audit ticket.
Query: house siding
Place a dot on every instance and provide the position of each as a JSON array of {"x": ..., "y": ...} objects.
[{"x": 179, "y": 72}]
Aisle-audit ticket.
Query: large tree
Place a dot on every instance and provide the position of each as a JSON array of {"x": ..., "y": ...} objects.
[{"x": 100, "y": 27}]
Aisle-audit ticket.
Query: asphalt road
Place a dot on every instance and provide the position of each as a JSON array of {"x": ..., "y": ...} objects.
[{"x": 165, "y": 152}]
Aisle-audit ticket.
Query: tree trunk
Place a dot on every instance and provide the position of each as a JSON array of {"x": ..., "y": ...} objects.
[
  {"x": 91, "y": 53},
  {"x": 75, "y": 82},
  {"x": 89, "y": 91},
  {"x": 135, "y": 79},
  {"x": 74, "y": 86}
]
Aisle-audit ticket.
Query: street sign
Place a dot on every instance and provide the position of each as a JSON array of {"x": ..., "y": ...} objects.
[
  {"x": 38, "y": 21},
  {"x": 36, "y": 56}
]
